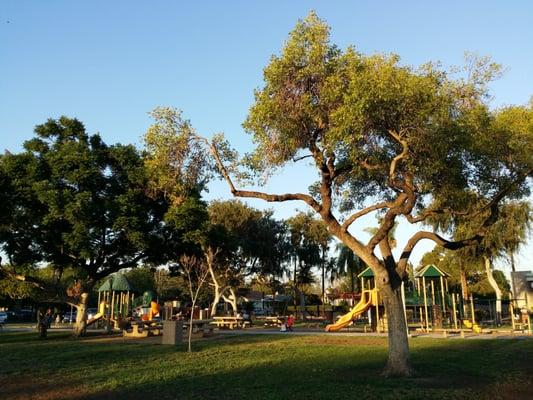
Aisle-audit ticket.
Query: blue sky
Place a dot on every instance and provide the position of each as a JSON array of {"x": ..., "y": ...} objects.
[{"x": 109, "y": 63}]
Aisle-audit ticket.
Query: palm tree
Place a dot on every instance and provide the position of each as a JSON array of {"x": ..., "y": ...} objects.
[{"x": 348, "y": 264}]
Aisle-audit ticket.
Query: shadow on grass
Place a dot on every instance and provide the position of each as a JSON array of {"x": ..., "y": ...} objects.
[
  {"x": 22, "y": 337},
  {"x": 277, "y": 367}
]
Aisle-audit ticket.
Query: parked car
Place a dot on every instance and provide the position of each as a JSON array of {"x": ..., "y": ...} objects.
[
  {"x": 91, "y": 312},
  {"x": 3, "y": 317},
  {"x": 70, "y": 317}
]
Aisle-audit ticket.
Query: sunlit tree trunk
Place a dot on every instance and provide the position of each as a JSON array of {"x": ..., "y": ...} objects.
[
  {"x": 398, "y": 362},
  {"x": 81, "y": 315},
  {"x": 231, "y": 300},
  {"x": 464, "y": 289},
  {"x": 497, "y": 290}
]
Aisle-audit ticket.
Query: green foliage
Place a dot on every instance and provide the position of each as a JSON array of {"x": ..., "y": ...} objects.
[
  {"x": 142, "y": 279},
  {"x": 176, "y": 164},
  {"x": 309, "y": 240},
  {"x": 361, "y": 112},
  {"x": 76, "y": 202},
  {"x": 348, "y": 265},
  {"x": 453, "y": 262},
  {"x": 249, "y": 241}
]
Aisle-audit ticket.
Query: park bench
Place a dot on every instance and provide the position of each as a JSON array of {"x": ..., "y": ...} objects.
[{"x": 230, "y": 322}]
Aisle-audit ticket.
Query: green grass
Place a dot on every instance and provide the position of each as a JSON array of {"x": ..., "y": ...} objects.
[{"x": 261, "y": 367}]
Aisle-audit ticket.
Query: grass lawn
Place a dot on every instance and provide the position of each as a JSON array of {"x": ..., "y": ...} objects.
[{"x": 260, "y": 367}]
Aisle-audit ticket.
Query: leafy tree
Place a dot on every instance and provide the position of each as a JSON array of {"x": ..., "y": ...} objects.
[
  {"x": 505, "y": 234},
  {"x": 176, "y": 163},
  {"x": 418, "y": 143},
  {"x": 309, "y": 240},
  {"x": 76, "y": 203},
  {"x": 195, "y": 273},
  {"x": 242, "y": 242},
  {"x": 348, "y": 264}
]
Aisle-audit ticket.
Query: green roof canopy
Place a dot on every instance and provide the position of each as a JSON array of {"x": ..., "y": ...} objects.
[
  {"x": 367, "y": 273},
  {"x": 117, "y": 282},
  {"x": 431, "y": 271}
]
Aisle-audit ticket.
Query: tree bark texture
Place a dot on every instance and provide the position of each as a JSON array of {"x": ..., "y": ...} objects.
[
  {"x": 497, "y": 290},
  {"x": 398, "y": 363},
  {"x": 81, "y": 314}
]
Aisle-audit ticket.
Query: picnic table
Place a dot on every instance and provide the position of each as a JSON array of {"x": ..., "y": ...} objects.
[
  {"x": 141, "y": 329},
  {"x": 230, "y": 322},
  {"x": 202, "y": 326}
]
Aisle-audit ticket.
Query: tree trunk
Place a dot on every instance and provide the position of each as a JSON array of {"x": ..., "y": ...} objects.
[
  {"x": 513, "y": 269},
  {"x": 210, "y": 258},
  {"x": 303, "y": 306},
  {"x": 81, "y": 315},
  {"x": 189, "y": 336},
  {"x": 494, "y": 284},
  {"x": 398, "y": 363},
  {"x": 231, "y": 300}
]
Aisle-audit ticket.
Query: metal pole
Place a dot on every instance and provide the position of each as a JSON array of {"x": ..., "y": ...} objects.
[
  {"x": 405, "y": 309},
  {"x": 425, "y": 303},
  {"x": 378, "y": 329},
  {"x": 454, "y": 311},
  {"x": 112, "y": 305},
  {"x": 442, "y": 292},
  {"x": 528, "y": 317},
  {"x": 472, "y": 309}
]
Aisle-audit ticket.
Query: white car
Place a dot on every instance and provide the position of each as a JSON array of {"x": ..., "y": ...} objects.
[{"x": 3, "y": 317}]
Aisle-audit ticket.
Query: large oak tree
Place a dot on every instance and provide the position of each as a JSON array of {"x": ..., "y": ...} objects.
[
  {"x": 407, "y": 143},
  {"x": 75, "y": 203}
]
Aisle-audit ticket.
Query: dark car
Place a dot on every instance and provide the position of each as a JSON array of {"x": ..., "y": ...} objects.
[{"x": 70, "y": 317}]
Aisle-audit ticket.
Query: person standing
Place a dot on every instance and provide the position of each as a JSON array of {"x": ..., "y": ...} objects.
[{"x": 290, "y": 322}]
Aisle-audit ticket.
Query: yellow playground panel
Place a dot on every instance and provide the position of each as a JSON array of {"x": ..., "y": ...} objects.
[{"x": 369, "y": 298}]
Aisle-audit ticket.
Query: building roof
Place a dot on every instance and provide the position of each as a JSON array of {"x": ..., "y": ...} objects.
[
  {"x": 367, "y": 273},
  {"x": 431, "y": 271}
]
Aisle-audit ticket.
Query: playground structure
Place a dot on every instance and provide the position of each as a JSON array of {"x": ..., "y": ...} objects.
[
  {"x": 430, "y": 307},
  {"x": 115, "y": 301},
  {"x": 369, "y": 303},
  {"x": 369, "y": 298},
  {"x": 118, "y": 306}
]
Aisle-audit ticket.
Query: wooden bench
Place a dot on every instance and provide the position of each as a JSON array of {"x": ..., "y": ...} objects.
[{"x": 230, "y": 322}]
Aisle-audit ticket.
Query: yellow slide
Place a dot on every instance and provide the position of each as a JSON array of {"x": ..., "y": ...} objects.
[
  {"x": 475, "y": 327},
  {"x": 368, "y": 299},
  {"x": 99, "y": 315},
  {"x": 94, "y": 319}
]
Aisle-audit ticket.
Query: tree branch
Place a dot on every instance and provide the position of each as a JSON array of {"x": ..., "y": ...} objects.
[
  {"x": 351, "y": 219},
  {"x": 399, "y": 157},
  {"x": 296, "y": 159},
  {"x": 447, "y": 244},
  {"x": 255, "y": 194}
]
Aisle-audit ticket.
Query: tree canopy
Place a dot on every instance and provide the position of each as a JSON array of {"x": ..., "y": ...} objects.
[{"x": 418, "y": 143}]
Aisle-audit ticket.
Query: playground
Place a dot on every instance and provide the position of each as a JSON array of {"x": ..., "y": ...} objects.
[
  {"x": 265, "y": 366},
  {"x": 430, "y": 306}
]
